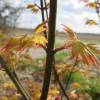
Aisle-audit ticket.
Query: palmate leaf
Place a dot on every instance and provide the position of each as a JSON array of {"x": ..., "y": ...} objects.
[
  {"x": 18, "y": 43},
  {"x": 11, "y": 50},
  {"x": 71, "y": 34},
  {"x": 33, "y": 7},
  {"x": 93, "y": 5},
  {"x": 40, "y": 28},
  {"x": 24, "y": 42},
  {"x": 80, "y": 50},
  {"x": 91, "y": 22},
  {"x": 39, "y": 40},
  {"x": 94, "y": 48},
  {"x": 11, "y": 44}
]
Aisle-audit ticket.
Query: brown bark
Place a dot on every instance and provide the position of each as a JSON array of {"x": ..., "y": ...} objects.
[{"x": 50, "y": 47}]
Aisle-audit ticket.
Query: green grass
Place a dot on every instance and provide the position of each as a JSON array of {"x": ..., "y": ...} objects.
[
  {"x": 89, "y": 85},
  {"x": 61, "y": 55}
]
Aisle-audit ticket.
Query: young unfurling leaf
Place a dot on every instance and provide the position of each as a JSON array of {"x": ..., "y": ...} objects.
[
  {"x": 39, "y": 40},
  {"x": 93, "y": 5},
  {"x": 91, "y": 22},
  {"x": 94, "y": 48},
  {"x": 71, "y": 33},
  {"x": 33, "y": 7},
  {"x": 27, "y": 41},
  {"x": 40, "y": 28},
  {"x": 11, "y": 43},
  {"x": 80, "y": 50},
  {"x": 18, "y": 43}
]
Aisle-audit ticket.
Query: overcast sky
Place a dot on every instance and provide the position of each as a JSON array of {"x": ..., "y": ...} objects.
[{"x": 70, "y": 12}]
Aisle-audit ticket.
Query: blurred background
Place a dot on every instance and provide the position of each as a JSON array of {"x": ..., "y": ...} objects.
[{"x": 14, "y": 15}]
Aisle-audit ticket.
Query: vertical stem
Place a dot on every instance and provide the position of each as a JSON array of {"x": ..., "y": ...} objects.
[
  {"x": 42, "y": 11},
  {"x": 50, "y": 47},
  {"x": 55, "y": 72},
  {"x": 46, "y": 9},
  {"x": 43, "y": 15},
  {"x": 14, "y": 80}
]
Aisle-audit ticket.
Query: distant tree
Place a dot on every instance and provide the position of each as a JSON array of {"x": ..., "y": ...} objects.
[{"x": 8, "y": 14}]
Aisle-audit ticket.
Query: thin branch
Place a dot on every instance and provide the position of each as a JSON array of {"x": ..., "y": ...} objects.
[
  {"x": 46, "y": 9},
  {"x": 14, "y": 80},
  {"x": 15, "y": 75},
  {"x": 43, "y": 15},
  {"x": 70, "y": 75},
  {"x": 60, "y": 84},
  {"x": 38, "y": 6},
  {"x": 59, "y": 49}
]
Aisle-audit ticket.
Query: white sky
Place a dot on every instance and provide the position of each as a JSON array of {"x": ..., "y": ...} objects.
[{"x": 70, "y": 12}]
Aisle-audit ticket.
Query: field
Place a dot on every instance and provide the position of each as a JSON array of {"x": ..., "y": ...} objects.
[{"x": 61, "y": 36}]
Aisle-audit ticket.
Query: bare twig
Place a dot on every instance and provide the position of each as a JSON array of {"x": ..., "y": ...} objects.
[
  {"x": 43, "y": 15},
  {"x": 46, "y": 10},
  {"x": 59, "y": 49}
]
